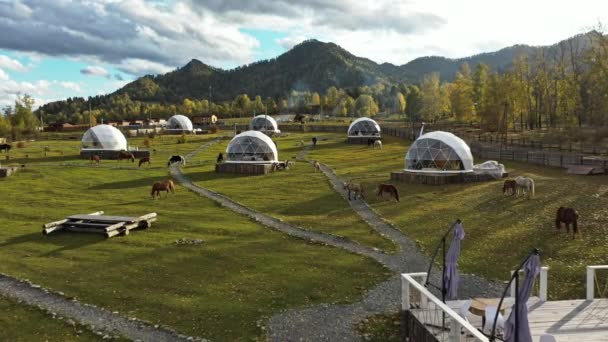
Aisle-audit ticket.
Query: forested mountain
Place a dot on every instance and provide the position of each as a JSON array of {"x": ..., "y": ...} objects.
[{"x": 310, "y": 66}]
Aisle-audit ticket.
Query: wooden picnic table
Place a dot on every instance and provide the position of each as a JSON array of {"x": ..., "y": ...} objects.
[{"x": 479, "y": 305}]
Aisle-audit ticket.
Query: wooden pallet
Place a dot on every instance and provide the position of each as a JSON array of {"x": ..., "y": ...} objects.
[{"x": 97, "y": 223}]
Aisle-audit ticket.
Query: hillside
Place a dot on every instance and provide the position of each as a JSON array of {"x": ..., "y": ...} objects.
[{"x": 311, "y": 65}]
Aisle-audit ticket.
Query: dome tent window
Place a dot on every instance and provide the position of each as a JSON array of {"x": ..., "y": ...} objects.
[
  {"x": 439, "y": 152},
  {"x": 251, "y": 147},
  {"x": 264, "y": 123},
  {"x": 179, "y": 122},
  {"x": 104, "y": 137},
  {"x": 364, "y": 127}
]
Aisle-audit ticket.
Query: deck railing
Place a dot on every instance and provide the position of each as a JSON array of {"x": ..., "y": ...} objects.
[
  {"x": 592, "y": 280},
  {"x": 542, "y": 289},
  {"x": 439, "y": 318}
]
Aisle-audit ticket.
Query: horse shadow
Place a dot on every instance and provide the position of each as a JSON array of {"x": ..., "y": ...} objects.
[{"x": 133, "y": 183}]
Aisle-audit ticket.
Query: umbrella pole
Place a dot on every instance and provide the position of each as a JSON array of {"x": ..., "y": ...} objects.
[
  {"x": 516, "y": 306},
  {"x": 443, "y": 290}
]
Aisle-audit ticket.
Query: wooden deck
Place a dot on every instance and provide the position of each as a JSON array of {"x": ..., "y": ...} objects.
[{"x": 567, "y": 320}]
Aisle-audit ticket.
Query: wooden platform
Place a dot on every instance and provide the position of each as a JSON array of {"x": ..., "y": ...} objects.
[
  {"x": 566, "y": 320},
  {"x": 584, "y": 170},
  {"x": 440, "y": 179},
  {"x": 97, "y": 223},
  {"x": 244, "y": 168},
  {"x": 362, "y": 140}
]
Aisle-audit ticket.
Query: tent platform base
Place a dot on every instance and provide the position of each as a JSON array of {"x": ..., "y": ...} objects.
[
  {"x": 440, "y": 179},
  {"x": 244, "y": 168},
  {"x": 361, "y": 140},
  {"x": 7, "y": 171},
  {"x": 110, "y": 154}
]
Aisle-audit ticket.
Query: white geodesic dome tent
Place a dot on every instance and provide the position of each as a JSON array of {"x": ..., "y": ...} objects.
[
  {"x": 104, "y": 137},
  {"x": 179, "y": 122},
  {"x": 264, "y": 123},
  {"x": 364, "y": 127},
  {"x": 439, "y": 152},
  {"x": 252, "y": 147}
]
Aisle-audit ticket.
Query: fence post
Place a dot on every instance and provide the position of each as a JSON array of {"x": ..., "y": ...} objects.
[
  {"x": 561, "y": 160},
  {"x": 590, "y": 284},
  {"x": 405, "y": 294},
  {"x": 527, "y": 156},
  {"x": 543, "y": 284}
]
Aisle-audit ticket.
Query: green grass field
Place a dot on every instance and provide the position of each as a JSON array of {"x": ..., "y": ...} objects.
[
  {"x": 245, "y": 272},
  {"x": 19, "y": 323},
  {"x": 241, "y": 274},
  {"x": 500, "y": 230}
]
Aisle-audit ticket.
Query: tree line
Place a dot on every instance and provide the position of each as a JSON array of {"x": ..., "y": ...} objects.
[{"x": 562, "y": 86}]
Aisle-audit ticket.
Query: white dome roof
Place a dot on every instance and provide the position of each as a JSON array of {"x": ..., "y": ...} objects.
[
  {"x": 364, "y": 127},
  {"x": 104, "y": 137},
  {"x": 264, "y": 123},
  {"x": 251, "y": 147},
  {"x": 439, "y": 151},
  {"x": 179, "y": 122}
]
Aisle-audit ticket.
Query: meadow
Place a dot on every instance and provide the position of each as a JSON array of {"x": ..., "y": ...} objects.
[{"x": 244, "y": 272}]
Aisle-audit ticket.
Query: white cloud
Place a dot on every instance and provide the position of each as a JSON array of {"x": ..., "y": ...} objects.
[
  {"x": 3, "y": 75},
  {"x": 11, "y": 64},
  {"x": 94, "y": 70},
  {"x": 137, "y": 66},
  {"x": 70, "y": 86}
]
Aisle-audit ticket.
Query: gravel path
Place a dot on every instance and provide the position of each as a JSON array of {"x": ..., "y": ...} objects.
[{"x": 104, "y": 323}]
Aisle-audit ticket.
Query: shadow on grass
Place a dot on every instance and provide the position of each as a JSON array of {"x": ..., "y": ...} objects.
[
  {"x": 64, "y": 240},
  {"x": 133, "y": 183}
]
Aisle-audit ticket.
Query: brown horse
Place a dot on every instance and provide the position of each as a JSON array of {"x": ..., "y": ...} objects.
[
  {"x": 125, "y": 155},
  {"x": 567, "y": 216},
  {"x": 95, "y": 159},
  {"x": 144, "y": 160},
  {"x": 355, "y": 188},
  {"x": 387, "y": 188},
  {"x": 166, "y": 185},
  {"x": 509, "y": 187}
]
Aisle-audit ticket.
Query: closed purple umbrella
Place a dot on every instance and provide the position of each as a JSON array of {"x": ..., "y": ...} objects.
[
  {"x": 451, "y": 277},
  {"x": 532, "y": 269}
]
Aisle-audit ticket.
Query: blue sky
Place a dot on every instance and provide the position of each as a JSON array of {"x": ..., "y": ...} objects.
[{"x": 51, "y": 50}]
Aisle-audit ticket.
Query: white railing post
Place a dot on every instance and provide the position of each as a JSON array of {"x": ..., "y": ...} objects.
[
  {"x": 455, "y": 335},
  {"x": 590, "y": 282},
  {"x": 405, "y": 294},
  {"x": 543, "y": 283}
]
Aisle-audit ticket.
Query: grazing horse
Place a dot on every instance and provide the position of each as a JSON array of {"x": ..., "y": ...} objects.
[
  {"x": 387, "y": 188},
  {"x": 355, "y": 188},
  {"x": 5, "y": 147},
  {"x": 95, "y": 159},
  {"x": 143, "y": 161},
  {"x": 526, "y": 185},
  {"x": 509, "y": 187},
  {"x": 220, "y": 158},
  {"x": 370, "y": 142},
  {"x": 316, "y": 165},
  {"x": 176, "y": 159},
  {"x": 377, "y": 144},
  {"x": 314, "y": 142},
  {"x": 567, "y": 216},
  {"x": 125, "y": 155},
  {"x": 166, "y": 185}
]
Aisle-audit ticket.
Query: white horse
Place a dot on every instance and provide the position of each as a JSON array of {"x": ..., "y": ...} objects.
[
  {"x": 317, "y": 165},
  {"x": 377, "y": 144},
  {"x": 525, "y": 184}
]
